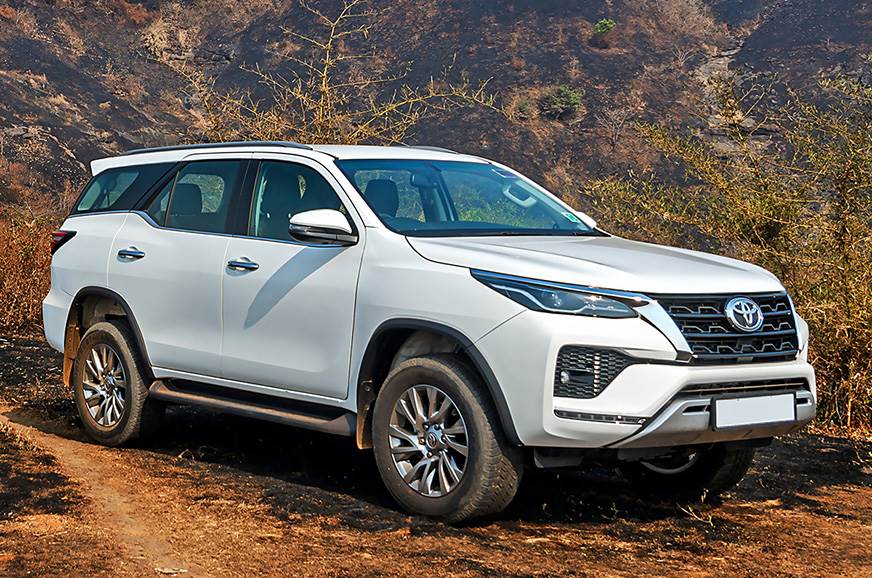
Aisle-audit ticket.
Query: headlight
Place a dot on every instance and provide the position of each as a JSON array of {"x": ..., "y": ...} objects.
[{"x": 559, "y": 298}]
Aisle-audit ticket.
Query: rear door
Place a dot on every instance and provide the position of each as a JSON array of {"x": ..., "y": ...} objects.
[
  {"x": 167, "y": 262},
  {"x": 288, "y": 319}
]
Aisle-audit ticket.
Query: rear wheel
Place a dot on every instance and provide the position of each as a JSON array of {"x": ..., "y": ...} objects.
[
  {"x": 110, "y": 386},
  {"x": 438, "y": 442},
  {"x": 701, "y": 472}
]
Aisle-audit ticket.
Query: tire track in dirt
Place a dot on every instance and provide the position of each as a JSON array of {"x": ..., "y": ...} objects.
[{"x": 116, "y": 504}]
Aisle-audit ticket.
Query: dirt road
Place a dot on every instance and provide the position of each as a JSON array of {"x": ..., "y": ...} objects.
[{"x": 225, "y": 496}]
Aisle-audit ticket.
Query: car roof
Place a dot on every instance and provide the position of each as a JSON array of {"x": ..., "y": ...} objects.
[{"x": 179, "y": 153}]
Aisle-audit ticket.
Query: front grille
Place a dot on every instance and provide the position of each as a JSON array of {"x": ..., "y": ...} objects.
[
  {"x": 584, "y": 372},
  {"x": 756, "y": 386},
  {"x": 712, "y": 338}
]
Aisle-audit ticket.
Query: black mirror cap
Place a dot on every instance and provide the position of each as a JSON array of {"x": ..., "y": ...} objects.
[{"x": 321, "y": 235}]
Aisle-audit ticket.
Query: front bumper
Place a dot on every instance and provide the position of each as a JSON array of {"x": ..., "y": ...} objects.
[{"x": 642, "y": 407}]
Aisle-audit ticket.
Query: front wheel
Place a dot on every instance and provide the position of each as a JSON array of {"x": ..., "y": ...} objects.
[
  {"x": 438, "y": 442},
  {"x": 702, "y": 472}
]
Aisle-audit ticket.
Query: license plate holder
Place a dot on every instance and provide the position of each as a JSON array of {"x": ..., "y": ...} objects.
[{"x": 742, "y": 412}]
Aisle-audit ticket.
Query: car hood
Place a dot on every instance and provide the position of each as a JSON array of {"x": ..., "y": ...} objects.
[{"x": 604, "y": 262}]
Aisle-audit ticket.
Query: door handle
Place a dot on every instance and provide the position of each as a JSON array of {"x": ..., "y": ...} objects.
[
  {"x": 131, "y": 253},
  {"x": 239, "y": 265}
]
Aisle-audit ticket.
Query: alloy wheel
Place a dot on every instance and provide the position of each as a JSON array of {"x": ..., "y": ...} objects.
[
  {"x": 428, "y": 440},
  {"x": 104, "y": 386}
]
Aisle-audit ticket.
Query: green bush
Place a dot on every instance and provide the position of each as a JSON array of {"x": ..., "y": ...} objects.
[
  {"x": 604, "y": 25},
  {"x": 561, "y": 102}
]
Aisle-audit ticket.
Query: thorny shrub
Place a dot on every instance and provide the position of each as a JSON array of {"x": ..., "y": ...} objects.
[{"x": 332, "y": 95}]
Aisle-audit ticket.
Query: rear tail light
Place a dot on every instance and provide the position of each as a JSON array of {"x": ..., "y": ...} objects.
[{"x": 58, "y": 238}]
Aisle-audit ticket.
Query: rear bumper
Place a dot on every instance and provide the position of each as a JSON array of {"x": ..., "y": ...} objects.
[
  {"x": 642, "y": 407},
  {"x": 55, "y": 308}
]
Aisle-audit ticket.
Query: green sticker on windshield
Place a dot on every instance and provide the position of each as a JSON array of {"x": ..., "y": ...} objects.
[{"x": 571, "y": 217}]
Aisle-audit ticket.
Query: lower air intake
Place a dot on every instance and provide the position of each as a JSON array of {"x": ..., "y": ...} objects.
[{"x": 584, "y": 372}]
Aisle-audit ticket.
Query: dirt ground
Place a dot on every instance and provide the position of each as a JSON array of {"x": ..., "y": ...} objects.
[{"x": 225, "y": 496}]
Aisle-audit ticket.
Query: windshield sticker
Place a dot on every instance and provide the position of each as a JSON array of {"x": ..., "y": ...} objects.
[{"x": 571, "y": 217}]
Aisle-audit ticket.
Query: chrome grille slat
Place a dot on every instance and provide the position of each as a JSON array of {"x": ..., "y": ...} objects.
[{"x": 712, "y": 338}]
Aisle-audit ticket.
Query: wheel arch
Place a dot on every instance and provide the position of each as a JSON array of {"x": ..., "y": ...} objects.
[
  {"x": 384, "y": 344},
  {"x": 75, "y": 326}
]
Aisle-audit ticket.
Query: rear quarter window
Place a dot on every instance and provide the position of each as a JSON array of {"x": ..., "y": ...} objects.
[{"x": 119, "y": 189}]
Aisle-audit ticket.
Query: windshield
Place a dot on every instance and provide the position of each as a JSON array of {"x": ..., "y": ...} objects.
[{"x": 451, "y": 198}]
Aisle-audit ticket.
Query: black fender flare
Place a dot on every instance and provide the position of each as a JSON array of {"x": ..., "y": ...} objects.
[{"x": 478, "y": 360}]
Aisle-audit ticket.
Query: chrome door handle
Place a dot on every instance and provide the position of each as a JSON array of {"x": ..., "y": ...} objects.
[
  {"x": 131, "y": 253},
  {"x": 242, "y": 265}
]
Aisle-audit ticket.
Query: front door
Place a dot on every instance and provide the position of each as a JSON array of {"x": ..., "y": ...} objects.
[{"x": 289, "y": 306}]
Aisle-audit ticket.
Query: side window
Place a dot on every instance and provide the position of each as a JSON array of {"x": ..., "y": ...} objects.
[
  {"x": 157, "y": 209},
  {"x": 119, "y": 189},
  {"x": 281, "y": 191},
  {"x": 200, "y": 198},
  {"x": 391, "y": 194}
]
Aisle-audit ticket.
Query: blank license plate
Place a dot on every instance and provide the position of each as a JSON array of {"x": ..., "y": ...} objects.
[{"x": 746, "y": 411}]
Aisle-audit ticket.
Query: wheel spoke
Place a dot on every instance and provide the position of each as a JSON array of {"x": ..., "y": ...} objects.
[
  {"x": 412, "y": 474},
  {"x": 431, "y": 402},
  {"x": 444, "y": 483},
  {"x": 456, "y": 446},
  {"x": 442, "y": 413},
  {"x": 89, "y": 366},
  {"x": 456, "y": 429},
  {"x": 407, "y": 413},
  {"x": 427, "y": 476},
  {"x": 104, "y": 360},
  {"x": 405, "y": 451},
  {"x": 419, "y": 409},
  {"x": 94, "y": 400},
  {"x": 98, "y": 365},
  {"x": 396, "y": 431},
  {"x": 453, "y": 470}
]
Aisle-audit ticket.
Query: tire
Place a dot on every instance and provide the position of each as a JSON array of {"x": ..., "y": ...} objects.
[
  {"x": 491, "y": 469},
  {"x": 715, "y": 470},
  {"x": 134, "y": 417}
]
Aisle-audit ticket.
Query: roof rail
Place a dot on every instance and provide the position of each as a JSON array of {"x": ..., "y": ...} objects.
[
  {"x": 233, "y": 144},
  {"x": 429, "y": 148}
]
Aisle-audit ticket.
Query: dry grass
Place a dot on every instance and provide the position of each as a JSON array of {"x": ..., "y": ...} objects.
[
  {"x": 27, "y": 217},
  {"x": 135, "y": 13}
]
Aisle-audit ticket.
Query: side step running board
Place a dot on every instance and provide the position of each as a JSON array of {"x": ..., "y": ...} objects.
[{"x": 298, "y": 414}]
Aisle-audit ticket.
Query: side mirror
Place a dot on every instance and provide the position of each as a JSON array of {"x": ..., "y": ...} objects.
[
  {"x": 326, "y": 226},
  {"x": 586, "y": 219}
]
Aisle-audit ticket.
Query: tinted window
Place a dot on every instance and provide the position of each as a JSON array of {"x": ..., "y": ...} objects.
[
  {"x": 200, "y": 197},
  {"x": 281, "y": 191},
  {"x": 119, "y": 189},
  {"x": 158, "y": 207}
]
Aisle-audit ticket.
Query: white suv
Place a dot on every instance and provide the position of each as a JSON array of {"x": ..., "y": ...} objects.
[{"x": 440, "y": 308}]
